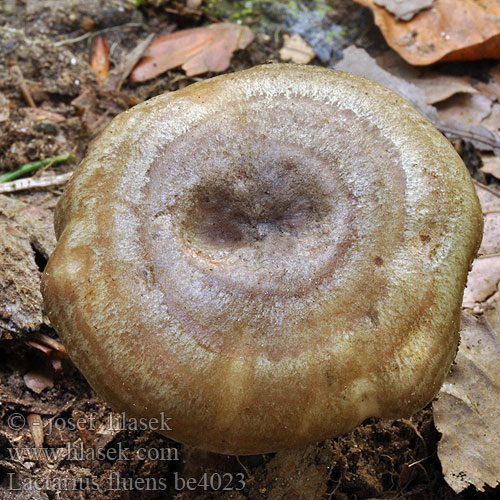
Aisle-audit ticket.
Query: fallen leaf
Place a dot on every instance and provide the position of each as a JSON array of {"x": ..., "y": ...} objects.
[
  {"x": 296, "y": 49},
  {"x": 437, "y": 87},
  {"x": 483, "y": 280},
  {"x": 99, "y": 57},
  {"x": 452, "y": 30},
  {"x": 490, "y": 200},
  {"x": 359, "y": 62},
  {"x": 491, "y": 239},
  {"x": 39, "y": 379},
  {"x": 467, "y": 410},
  {"x": 484, "y": 277},
  {"x": 492, "y": 121},
  {"x": 492, "y": 313},
  {"x": 466, "y": 108},
  {"x": 491, "y": 165},
  {"x": 404, "y": 9},
  {"x": 198, "y": 50}
]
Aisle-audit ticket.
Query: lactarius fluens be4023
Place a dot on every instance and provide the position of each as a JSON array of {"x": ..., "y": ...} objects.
[{"x": 267, "y": 257}]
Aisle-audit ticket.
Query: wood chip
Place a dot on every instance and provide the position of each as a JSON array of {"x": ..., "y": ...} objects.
[
  {"x": 36, "y": 428},
  {"x": 296, "y": 49}
]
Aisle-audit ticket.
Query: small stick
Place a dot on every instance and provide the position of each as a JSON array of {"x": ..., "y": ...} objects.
[
  {"x": 31, "y": 167},
  {"x": 485, "y": 187},
  {"x": 16, "y": 71},
  {"x": 30, "y": 183}
]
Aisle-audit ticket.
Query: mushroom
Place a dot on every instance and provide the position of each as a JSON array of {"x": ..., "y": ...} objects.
[{"x": 267, "y": 258}]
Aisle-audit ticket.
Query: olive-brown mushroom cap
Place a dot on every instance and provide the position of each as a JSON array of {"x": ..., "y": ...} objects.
[{"x": 267, "y": 258}]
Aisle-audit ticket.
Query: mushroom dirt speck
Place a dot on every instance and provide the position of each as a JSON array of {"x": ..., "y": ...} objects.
[{"x": 267, "y": 257}]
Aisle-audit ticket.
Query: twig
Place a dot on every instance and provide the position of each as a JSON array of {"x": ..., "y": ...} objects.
[
  {"x": 16, "y": 71},
  {"x": 31, "y": 167},
  {"x": 94, "y": 33},
  {"x": 250, "y": 477},
  {"x": 486, "y": 188},
  {"x": 30, "y": 183},
  {"x": 488, "y": 255}
]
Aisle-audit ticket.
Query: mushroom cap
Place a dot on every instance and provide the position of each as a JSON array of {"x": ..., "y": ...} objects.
[{"x": 267, "y": 258}]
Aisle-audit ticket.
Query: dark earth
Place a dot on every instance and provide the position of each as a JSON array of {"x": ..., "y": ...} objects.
[{"x": 45, "y": 45}]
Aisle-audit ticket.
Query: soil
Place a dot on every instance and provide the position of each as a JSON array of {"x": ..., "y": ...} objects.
[{"x": 45, "y": 46}]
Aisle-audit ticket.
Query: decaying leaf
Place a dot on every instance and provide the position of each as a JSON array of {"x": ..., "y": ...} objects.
[
  {"x": 198, "y": 50},
  {"x": 359, "y": 62},
  {"x": 467, "y": 411},
  {"x": 466, "y": 109},
  {"x": 483, "y": 280},
  {"x": 484, "y": 277},
  {"x": 436, "y": 87},
  {"x": 296, "y": 49},
  {"x": 490, "y": 200},
  {"x": 99, "y": 57},
  {"x": 491, "y": 165},
  {"x": 39, "y": 378},
  {"x": 452, "y": 30},
  {"x": 24, "y": 231},
  {"x": 404, "y": 9}
]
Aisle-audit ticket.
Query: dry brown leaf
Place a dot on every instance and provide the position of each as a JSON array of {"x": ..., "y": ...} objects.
[
  {"x": 492, "y": 121},
  {"x": 492, "y": 312},
  {"x": 452, "y": 30},
  {"x": 466, "y": 109},
  {"x": 491, "y": 238},
  {"x": 484, "y": 277},
  {"x": 436, "y": 87},
  {"x": 296, "y": 49},
  {"x": 467, "y": 411},
  {"x": 404, "y": 9},
  {"x": 198, "y": 50},
  {"x": 39, "y": 379},
  {"x": 490, "y": 201},
  {"x": 491, "y": 165},
  {"x": 99, "y": 57},
  {"x": 483, "y": 280},
  {"x": 359, "y": 62}
]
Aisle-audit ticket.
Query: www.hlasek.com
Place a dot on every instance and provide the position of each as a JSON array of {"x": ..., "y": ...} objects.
[
  {"x": 79, "y": 452},
  {"x": 116, "y": 482}
]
